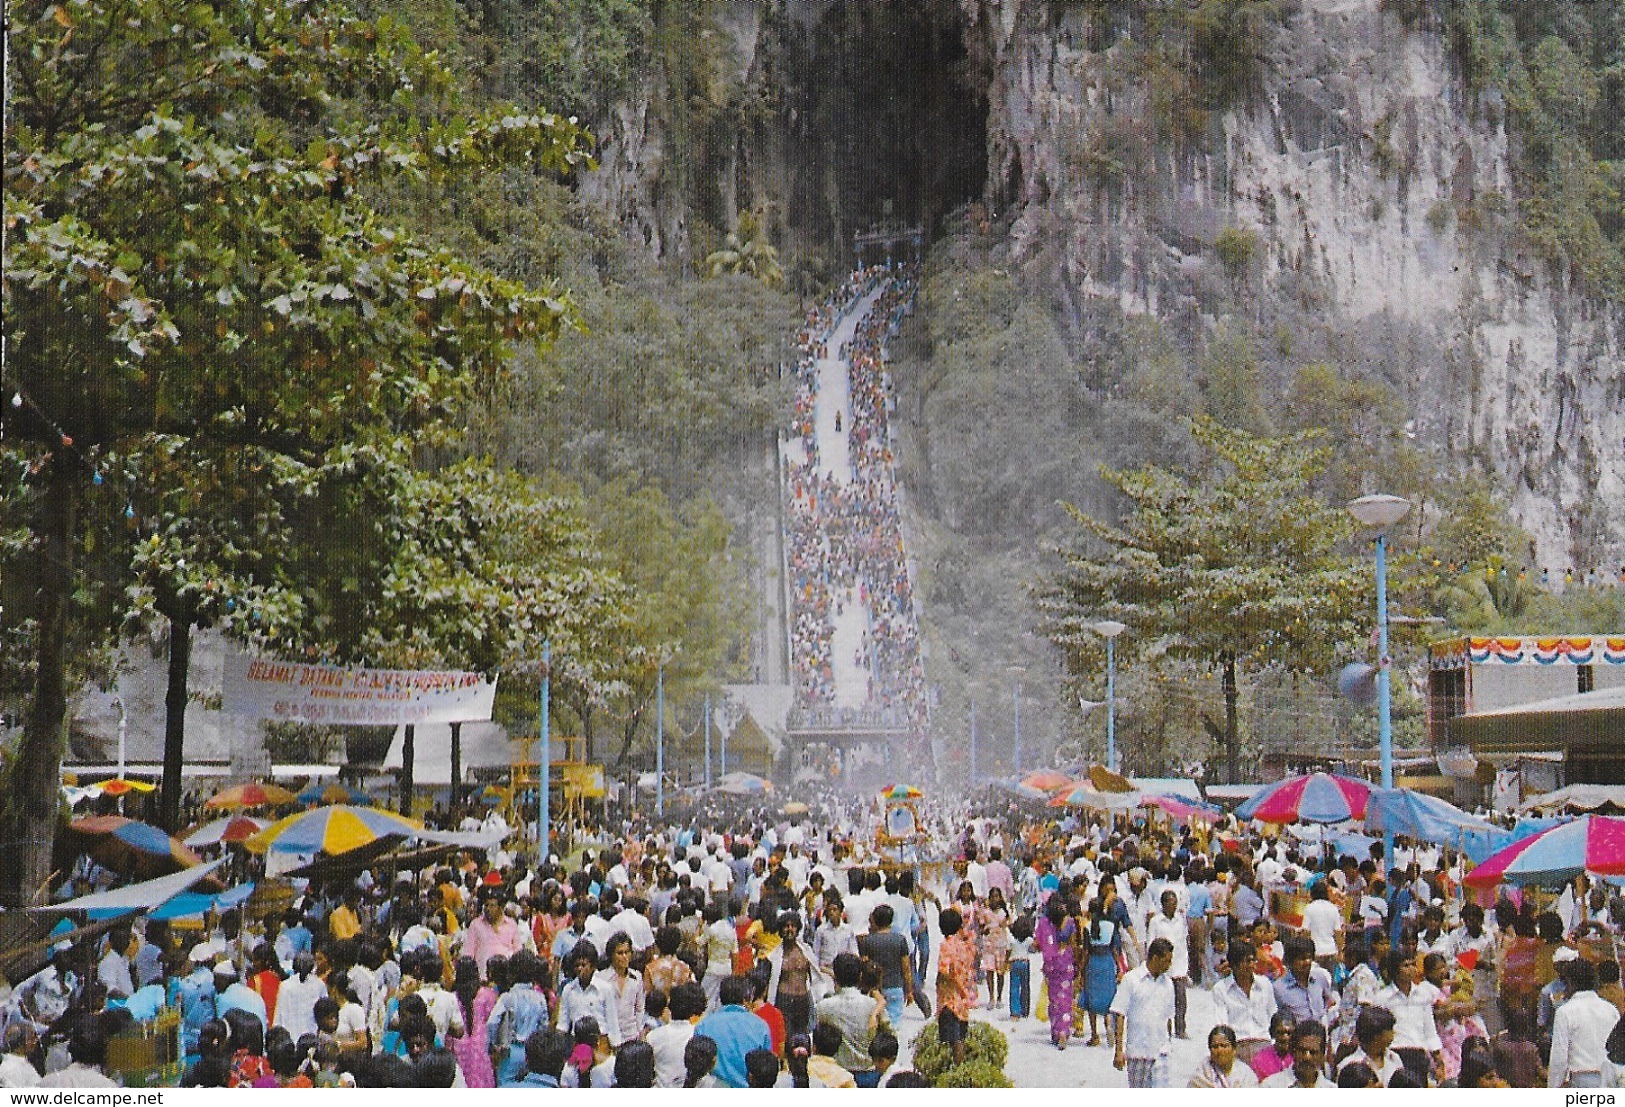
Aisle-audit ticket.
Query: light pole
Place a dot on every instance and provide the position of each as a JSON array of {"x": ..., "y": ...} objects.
[
  {"x": 660, "y": 739},
  {"x": 708, "y": 740},
  {"x": 123, "y": 734},
  {"x": 1109, "y": 629},
  {"x": 973, "y": 742},
  {"x": 1017, "y": 671},
  {"x": 544, "y": 767},
  {"x": 1380, "y": 512}
]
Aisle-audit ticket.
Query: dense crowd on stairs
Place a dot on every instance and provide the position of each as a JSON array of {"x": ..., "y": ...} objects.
[{"x": 846, "y": 538}]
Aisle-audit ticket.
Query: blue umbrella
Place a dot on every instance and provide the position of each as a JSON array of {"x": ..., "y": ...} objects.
[
  {"x": 335, "y": 792},
  {"x": 1425, "y": 818}
]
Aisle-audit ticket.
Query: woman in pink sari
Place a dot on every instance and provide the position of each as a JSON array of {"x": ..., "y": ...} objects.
[
  {"x": 478, "y": 999},
  {"x": 1056, "y": 937}
]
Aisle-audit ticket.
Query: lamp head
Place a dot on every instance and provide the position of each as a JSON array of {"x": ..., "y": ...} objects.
[
  {"x": 1379, "y": 510},
  {"x": 1108, "y": 628}
]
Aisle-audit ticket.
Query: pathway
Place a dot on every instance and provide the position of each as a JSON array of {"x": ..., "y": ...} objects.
[{"x": 848, "y": 645}]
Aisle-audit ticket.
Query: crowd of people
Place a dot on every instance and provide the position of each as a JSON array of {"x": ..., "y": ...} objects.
[
  {"x": 844, "y": 537},
  {"x": 760, "y": 951},
  {"x": 752, "y": 954}
]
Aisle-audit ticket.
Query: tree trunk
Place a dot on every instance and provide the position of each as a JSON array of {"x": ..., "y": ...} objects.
[
  {"x": 1232, "y": 722},
  {"x": 409, "y": 741},
  {"x": 175, "y": 697},
  {"x": 35, "y": 781},
  {"x": 456, "y": 773}
]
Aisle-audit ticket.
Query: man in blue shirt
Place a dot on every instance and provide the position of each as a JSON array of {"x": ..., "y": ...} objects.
[
  {"x": 1305, "y": 989},
  {"x": 1201, "y": 901},
  {"x": 736, "y": 1030},
  {"x": 195, "y": 995}
]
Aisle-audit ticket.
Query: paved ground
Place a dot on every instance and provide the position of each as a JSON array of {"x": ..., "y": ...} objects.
[
  {"x": 1034, "y": 1063},
  {"x": 835, "y": 395},
  {"x": 847, "y": 640}
]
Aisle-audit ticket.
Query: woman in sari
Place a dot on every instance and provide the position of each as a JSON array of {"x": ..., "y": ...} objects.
[
  {"x": 477, "y": 998},
  {"x": 1221, "y": 1069},
  {"x": 1100, "y": 971},
  {"x": 1055, "y": 936}
]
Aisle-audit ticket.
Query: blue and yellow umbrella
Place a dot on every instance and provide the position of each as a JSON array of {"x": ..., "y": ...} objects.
[{"x": 336, "y": 829}]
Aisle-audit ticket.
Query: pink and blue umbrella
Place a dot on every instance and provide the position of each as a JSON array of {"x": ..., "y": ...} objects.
[
  {"x": 1179, "y": 807},
  {"x": 130, "y": 847},
  {"x": 1590, "y": 844},
  {"x": 1316, "y": 798}
]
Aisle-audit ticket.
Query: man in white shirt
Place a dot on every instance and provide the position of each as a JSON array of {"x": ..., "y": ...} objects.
[
  {"x": 976, "y": 873},
  {"x": 444, "y": 1008},
  {"x": 598, "y": 925},
  {"x": 1323, "y": 921},
  {"x": 1580, "y": 1032},
  {"x": 1170, "y": 923},
  {"x": 632, "y": 922},
  {"x": 114, "y": 970},
  {"x": 1142, "y": 1015},
  {"x": 1374, "y": 1031},
  {"x": 670, "y": 1039},
  {"x": 1416, "y": 1035},
  {"x": 15, "y": 1069},
  {"x": 1246, "y": 1002},
  {"x": 583, "y": 995}
]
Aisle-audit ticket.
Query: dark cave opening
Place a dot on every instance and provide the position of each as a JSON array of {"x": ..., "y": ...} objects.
[{"x": 886, "y": 119}]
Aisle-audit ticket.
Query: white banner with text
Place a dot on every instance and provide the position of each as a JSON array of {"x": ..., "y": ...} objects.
[{"x": 286, "y": 691}]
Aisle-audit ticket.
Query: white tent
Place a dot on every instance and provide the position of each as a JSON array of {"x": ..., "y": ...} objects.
[
  {"x": 137, "y": 897},
  {"x": 485, "y": 746}
]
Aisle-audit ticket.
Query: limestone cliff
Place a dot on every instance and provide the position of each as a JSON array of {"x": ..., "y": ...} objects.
[{"x": 1377, "y": 191}]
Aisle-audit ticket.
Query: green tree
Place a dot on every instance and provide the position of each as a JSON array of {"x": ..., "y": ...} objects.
[
  {"x": 747, "y": 252},
  {"x": 191, "y": 252},
  {"x": 687, "y": 606},
  {"x": 484, "y": 569},
  {"x": 1236, "y": 566}
]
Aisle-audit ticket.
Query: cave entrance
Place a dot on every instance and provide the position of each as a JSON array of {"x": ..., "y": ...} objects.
[
  {"x": 888, "y": 242},
  {"x": 888, "y": 124}
]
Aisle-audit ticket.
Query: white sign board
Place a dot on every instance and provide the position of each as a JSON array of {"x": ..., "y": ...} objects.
[{"x": 264, "y": 688}]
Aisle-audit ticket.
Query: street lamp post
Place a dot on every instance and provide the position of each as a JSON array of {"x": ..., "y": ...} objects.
[
  {"x": 1109, "y": 629},
  {"x": 660, "y": 740},
  {"x": 123, "y": 735},
  {"x": 544, "y": 766},
  {"x": 1017, "y": 671},
  {"x": 1380, "y": 512},
  {"x": 973, "y": 743}
]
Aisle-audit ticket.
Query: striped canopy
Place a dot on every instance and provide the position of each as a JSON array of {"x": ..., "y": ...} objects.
[
  {"x": 330, "y": 830},
  {"x": 1087, "y": 795},
  {"x": 1317, "y": 798},
  {"x": 1046, "y": 780},
  {"x": 1590, "y": 844},
  {"x": 1179, "y": 807},
  {"x": 232, "y": 828},
  {"x": 130, "y": 847},
  {"x": 252, "y": 795},
  {"x": 118, "y": 786},
  {"x": 901, "y": 792},
  {"x": 334, "y": 792}
]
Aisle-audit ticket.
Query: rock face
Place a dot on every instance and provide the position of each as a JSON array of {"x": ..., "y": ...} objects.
[{"x": 1375, "y": 195}]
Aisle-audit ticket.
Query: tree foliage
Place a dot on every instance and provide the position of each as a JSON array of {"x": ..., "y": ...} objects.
[
  {"x": 1236, "y": 565},
  {"x": 195, "y": 278}
]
